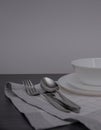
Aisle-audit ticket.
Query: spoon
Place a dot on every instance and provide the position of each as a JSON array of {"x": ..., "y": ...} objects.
[
  {"x": 50, "y": 85},
  {"x": 56, "y": 102}
]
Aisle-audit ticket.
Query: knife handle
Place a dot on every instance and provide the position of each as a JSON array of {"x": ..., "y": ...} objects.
[
  {"x": 72, "y": 106},
  {"x": 56, "y": 103}
]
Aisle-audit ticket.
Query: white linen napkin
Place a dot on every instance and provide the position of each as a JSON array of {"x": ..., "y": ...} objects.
[{"x": 42, "y": 114}]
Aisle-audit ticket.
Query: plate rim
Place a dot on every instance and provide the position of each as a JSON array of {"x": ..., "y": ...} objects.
[{"x": 76, "y": 90}]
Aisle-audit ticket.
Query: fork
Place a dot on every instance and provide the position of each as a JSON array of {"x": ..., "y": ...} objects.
[
  {"x": 30, "y": 88},
  {"x": 32, "y": 91}
]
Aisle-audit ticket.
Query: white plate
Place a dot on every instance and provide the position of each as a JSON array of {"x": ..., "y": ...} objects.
[{"x": 72, "y": 84}]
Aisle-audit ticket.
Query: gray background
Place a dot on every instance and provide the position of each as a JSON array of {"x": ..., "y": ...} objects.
[{"x": 44, "y": 36}]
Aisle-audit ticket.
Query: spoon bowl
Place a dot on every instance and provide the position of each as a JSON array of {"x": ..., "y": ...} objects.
[{"x": 50, "y": 85}]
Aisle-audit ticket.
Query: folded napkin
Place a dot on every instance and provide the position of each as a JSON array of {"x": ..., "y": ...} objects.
[{"x": 42, "y": 114}]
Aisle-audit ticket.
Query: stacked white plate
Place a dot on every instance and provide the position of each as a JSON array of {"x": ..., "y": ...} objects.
[
  {"x": 72, "y": 84},
  {"x": 86, "y": 79}
]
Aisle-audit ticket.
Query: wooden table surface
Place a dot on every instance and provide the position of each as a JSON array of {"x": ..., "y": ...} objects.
[{"x": 11, "y": 118}]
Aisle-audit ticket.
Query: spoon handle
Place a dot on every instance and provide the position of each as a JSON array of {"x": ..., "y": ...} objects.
[
  {"x": 71, "y": 105},
  {"x": 56, "y": 102}
]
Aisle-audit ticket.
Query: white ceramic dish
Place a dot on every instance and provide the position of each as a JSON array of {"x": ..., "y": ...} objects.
[
  {"x": 88, "y": 70},
  {"x": 72, "y": 84}
]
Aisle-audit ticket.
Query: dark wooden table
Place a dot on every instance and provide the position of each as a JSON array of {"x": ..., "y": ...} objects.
[{"x": 11, "y": 118}]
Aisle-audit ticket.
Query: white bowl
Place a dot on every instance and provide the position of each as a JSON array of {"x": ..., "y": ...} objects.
[{"x": 88, "y": 70}]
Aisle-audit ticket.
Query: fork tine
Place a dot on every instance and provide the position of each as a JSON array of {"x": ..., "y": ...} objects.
[
  {"x": 29, "y": 87},
  {"x": 32, "y": 88},
  {"x": 30, "y": 82},
  {"x": 26, "y": 87}
]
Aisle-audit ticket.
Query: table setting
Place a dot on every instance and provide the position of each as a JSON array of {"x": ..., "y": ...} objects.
[{"x": 74, "y": 97}]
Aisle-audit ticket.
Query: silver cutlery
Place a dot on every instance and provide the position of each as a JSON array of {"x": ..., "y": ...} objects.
[
  {"x": 50, "y": 85},
  {"x": 32, "y": 91},
  {"x": 29, "y": 87}
]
